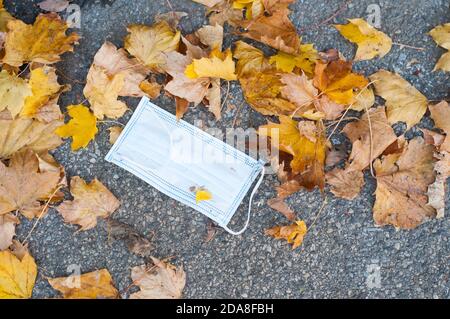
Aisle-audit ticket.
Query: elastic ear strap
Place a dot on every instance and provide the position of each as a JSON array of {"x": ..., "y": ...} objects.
[{"x": 255, "y": 189}]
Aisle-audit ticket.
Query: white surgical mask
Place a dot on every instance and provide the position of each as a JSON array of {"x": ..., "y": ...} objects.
[{"x": 175, "y": 157}]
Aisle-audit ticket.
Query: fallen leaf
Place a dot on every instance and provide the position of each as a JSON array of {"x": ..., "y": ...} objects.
[
  {"x": 17, "y": 134},
  {"x": 437, "y": 191},
  {"x": 13, "y": 92},
  {"x": 338, "y": 82},
  {"x": 211, "y": 36},
  {"x": 54, "y": 5},
  {"x": 17, "y": 275},
  {"x": 50, "y": 111},
  {"x": 334, "y": 156},
  {"x": 102, "y": 92},
  {"x": 346, "y": 183},
  {"x": 136, "y": 243},
  {"x": 404, "y": 103},
  {"x": 163, "y": 281},
  {"x": 42, "y": 42},
  {"x": 22, "y": 185},
  {"x": 293, "y": 234},
  {"x": 152, "y": 89},
  {"x": 44, "y": 86},
  {"x": 181, "y": 106},
  {"x": 371, "y": 42},
  {"x": 308, "y": 157},
  {"x": 8, "y": 224},
  {"x": 114, "y": 133},
  {"x": 172, "y": 18},
  {"x": 214, "y": 98},
  {"x": 94, "y": 285},
  {"x": 440, "y": 113},
  {"x": 275, "y": 30},
  {"x": 250, "y": 59},
  {"x": 5, "y": 17},
  {"x": 280, "y": 206},
  {"x": 91, "y": 201},
  {"x": 213, "y": 67},
  {"x": 224, "y": 12},
  {"x": 253, "y": 8},
  {"x": 441, "y": 35},
  {"x": 116, "y": 61},
  {"x": 82, "y": 127},
  {"x": 370, "y": 136},
  {"x": 305, "y": 60},
  {"x": 150, "y": 44},
  {"x": 402, "y": 185},
  {"x": 208, "y": 3},
  {"x": 365, "y": 99}
]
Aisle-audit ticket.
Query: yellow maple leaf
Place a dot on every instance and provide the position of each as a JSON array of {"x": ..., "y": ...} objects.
[
  {"x": 254, "y": 8},
  {"x": 150, "y": 44},
  {"x": 5, "y": 17},
  {"x": 216, "y": 66},
  {"x": 13, "y": 92},
  {"x": 82, "y": 127},
  {"x": 250, "y": 59},
  {"x": 308, "y": 150},
  {"x": 293, "y": 234},
  {"x": 42, "y": 42},
  {"x": 441, "y": 34},
  {"x": 44, "y": 84},
  {"x": 371, "y": 42},
  {"x": 94, "y": 285},
  {"x": 404, "y": 103},
  {"x": 305, "y": 60},
  {"x": 202, "y": 194},
  {"x": 17, "y": 275},
  {"x": 102, "y": 92}
]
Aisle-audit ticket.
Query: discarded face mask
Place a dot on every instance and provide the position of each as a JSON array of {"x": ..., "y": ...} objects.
[{"x": 176, "y": 157}]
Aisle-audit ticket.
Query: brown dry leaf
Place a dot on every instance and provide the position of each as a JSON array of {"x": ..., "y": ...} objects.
[
  {"x": 150, "y": 44},
  {"x": 404, "y": 103},
  {"x": 8, "y": 224},
  {"x": 152, "y": 89},
  {"x": 440, "y": 113},
  {"x": 181, "y": 106},
  {"x": 437, "y": 190},
  {"x": 102, "y": 92},
  {"x": 162, "y": 281},
  {"x": 90, "y": 202},
  {"x": 211, "y": 36},
  {"x": 42, "y": 42},
  {"x": 307, "y": 164},
  {"x": 402, "y": 185},
  {"x": 214, "y": 98},
  {"x": 370, "y": 136},
  {"x": 346, "y": 183},
  {"x": 50, "y": 111},
  {"x": 114, "y": 133},
  {"x": 20, "y": 133},
  {"x": 136, "y": 243},
  {"x": 115, "y": 61},
  {"x": 280, "y": 206},
  {"x": 22, "y": 185},
  {"x": 224, "y": 12},
  {"x": 334, "y": 156},
  {"x": 94, "y": 285},
  {"x": 192, "y": 90},
  {"x": 275, "y": 30},
  {"x": 293, "y": 234},
  {"x": 17, "y": 275},
  {"x": 172, "y": 18},
  {"x": 441, "y": 35},
  {"x": 208, "y": 3},
  {"x": 365, "y": 99},
  {"x": 338, "y": 82},
  {"x": 13, "y": 93}
]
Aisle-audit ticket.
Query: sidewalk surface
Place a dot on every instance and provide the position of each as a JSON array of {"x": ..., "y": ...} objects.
[{"x": 343, "y": 252}]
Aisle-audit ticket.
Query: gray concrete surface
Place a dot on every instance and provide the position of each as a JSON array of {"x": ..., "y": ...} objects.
[{"x": 340, "y": 250}]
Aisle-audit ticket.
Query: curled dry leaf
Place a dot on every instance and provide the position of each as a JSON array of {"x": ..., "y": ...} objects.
[
  {"x": 152, "y": 89},
  {"x": 293, "y": 234},
  {"x": 94, "y": 285},
  {"x": 13, "y": 92},
  {"x": 17, "y": 275},
  {"x": 90, "y": 202},
  {"x": 441, "y": 35},
  {"x": 114, "y": 133},
  {"x": 17, "y": 134},
  {"x": 275, "y": 30},
  {"x": 404, "y": 103},
  {"x": 102, "y": 92},
  {"x": 8, "y": 224},
  {"x": 402, "y": 184},
  {"x": 150, "y": 44},
  {"x": 371, "y": 42},
  {"x": 136, "y": 243},
  {"x": 82, "y": 127},
  {"x": 162, "y": 281},
  {"x": 42, "y": 42},
  {"x": 280, "y": 206},
  {"x": 116, "y": 61},
  {"x": 22, "y": 185}
]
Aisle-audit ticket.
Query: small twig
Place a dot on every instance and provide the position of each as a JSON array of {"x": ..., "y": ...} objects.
[
  {"x": 110, "y": 121},
  {"x": 23, "y": 71},
  {"x": 321, "y": 209},
  {"x": 371, "y": 141},
  {"x": 237, "y": 113},
  {"x": 41, "y": 214},
  {"x": 401, "y": 45},
  {"x": 226, "y": 96}
]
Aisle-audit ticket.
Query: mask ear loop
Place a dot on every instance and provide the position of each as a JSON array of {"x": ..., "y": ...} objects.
[{"x": 255, "y": 189}]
